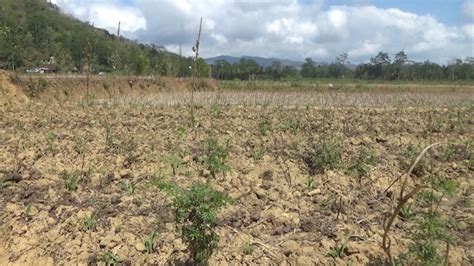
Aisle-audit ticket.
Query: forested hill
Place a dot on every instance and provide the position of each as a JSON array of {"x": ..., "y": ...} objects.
[{"x": 35, "y": 33}]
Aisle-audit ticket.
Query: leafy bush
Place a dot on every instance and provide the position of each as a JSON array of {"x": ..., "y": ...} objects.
[
  {"x": 195, "y": 212},
  {"x": 216, "y": 155},
  {"x": 364, "y": 161},
  {"x": 325, "y": 155},
  {"x": 431, "y": 230}
]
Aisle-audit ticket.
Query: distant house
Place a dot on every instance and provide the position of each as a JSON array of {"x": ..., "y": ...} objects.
[{"x": 43, "y": 69}]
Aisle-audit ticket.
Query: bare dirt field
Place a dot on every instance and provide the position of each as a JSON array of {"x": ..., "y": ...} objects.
[{"x": 78, "y": 175}]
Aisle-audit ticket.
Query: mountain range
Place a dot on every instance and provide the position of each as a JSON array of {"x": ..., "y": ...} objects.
[
  {"x": 261, "y": 61},
  {"x": 266, "y": 62}
]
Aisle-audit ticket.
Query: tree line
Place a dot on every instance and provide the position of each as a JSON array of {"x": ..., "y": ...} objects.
[
  {"x": 35, "y": 32},
  {"x": 380, "y": 67}
]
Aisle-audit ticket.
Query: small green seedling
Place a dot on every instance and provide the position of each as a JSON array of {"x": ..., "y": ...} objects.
[
  {"x": 309, "y": 183},
  {"x": 71, "y": 180},
  {"x": 338, "y": 251},
  {"x": 175, "y": 162},
  {"x": 215, "y": 158},
  {"x": 118, "y": 228},
  {"x": 248, "y": 248},
  {"x": 265, "y": 126},
  {"x": 90, "y": 222},
  {"x": 110, "y": 259},
  {"x": 326, "y": 154},
  {"x": 150, "y": 242}
]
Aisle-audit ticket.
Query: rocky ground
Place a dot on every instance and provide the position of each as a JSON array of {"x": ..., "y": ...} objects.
[{"x": 285, "y": 212}]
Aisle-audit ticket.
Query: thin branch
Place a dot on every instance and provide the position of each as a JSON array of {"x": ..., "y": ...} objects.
[{"x": 386, "y": 242}]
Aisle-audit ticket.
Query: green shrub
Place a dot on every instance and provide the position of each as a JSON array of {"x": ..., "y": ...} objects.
[
  {"x": 325, "y": 155},
  {"x": 430, "y": 234},
  {"x": 71, "y": 180},
  {"x": 265, "y": 126},
  {"x": 215, "y": 158},
  {"x": 195, "y": 212},
  {"x": 363, "y": 163}
]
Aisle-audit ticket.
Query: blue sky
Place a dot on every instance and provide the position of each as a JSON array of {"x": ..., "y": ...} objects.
[{"x": 438, "y": 30}]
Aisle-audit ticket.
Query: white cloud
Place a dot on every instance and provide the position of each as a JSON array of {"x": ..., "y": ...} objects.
[
  {"x": 104, "y": 14},
  {"x": 282, "y": 28}
]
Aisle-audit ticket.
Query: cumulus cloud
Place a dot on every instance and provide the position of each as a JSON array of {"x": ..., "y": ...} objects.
[
  {"x": 105, "y": 14},
  {"x": 282, "y": 28}
]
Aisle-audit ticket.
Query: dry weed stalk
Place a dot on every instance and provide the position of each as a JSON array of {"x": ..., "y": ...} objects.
[
  {"x": 386, "y": 242},
  {"x": 195, "y": 71}
]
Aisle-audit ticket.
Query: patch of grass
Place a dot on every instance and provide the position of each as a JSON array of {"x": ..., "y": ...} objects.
[
  {"x": 175, "y": 162},
  {"x": 215, "y": 158},
  {"x": 180, "y": 132},
  {"x": 52, "y": 137},
  {"x": 309, "y": 183},
  {"x": 3, "y": 184},
  {"x": 265, "y": 126},
  {"x": 363, "y": 163},
  {"x": 71, "y": 180},
  {"x": 110, "y": 259},
  {"x": 128, "y": 187},
  {"x": 292, "y": 125},
  {"x": 257, "y": 153},
  {"x": 195, "y": 212},
  {"x": 406, "y": 212},
  {"x": 216, "y": 110},
  {"x": 79, "y": 145},
  {"x": 248, "y": 248},
  {"x": 118, "y": 228},
  {"x": 338, "y": 251},
  {"x": 150, "y": 242},
  {"x": 326, "y": 154},
  {"x": 90, "y": 222},
  {"x": 110, "y": 140},
  {"x": 430, "y": 233}
]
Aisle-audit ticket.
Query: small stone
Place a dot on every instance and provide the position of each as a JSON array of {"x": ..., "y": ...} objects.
[
  {"x": 303, "y": 260},
  {"x": 206, "y": 173},
  {"x": 186, "y": 159},
  {"x": 266, "y": 185},
  {"x": 314, "y": 192},
  {"x": 267, "y": 175},
  {"x": 140, "y": 247},
  {"x": 290, "y": 247},
  {"x": 462, "y": 225},
  {"x": 110, "y": 241},
  {"x": 115, "y": 199}
]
